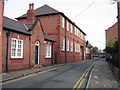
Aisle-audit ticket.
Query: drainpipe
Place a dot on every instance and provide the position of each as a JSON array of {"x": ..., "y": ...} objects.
[
  {"x": 7, "y": 35},
  {"x": 29, "y": 50},
  {"x": 52, "y": 54},
  {"x": 65, "y": 43}
]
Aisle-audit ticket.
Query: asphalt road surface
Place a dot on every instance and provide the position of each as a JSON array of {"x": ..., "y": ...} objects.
[{"x": 66, "y": 76}]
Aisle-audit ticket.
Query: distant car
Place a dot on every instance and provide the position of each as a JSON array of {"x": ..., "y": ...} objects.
[
  {"x": 102, "y": 56},
  {"x": 96, "y": 57}
]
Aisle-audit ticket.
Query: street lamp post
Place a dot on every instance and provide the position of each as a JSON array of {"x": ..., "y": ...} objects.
[{"x": 7, "y": 35}]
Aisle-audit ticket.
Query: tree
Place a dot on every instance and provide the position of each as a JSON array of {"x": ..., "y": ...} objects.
[{"x": 95, "y": 49}]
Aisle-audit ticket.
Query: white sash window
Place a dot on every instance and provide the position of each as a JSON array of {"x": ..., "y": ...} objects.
[
  {"x": 16, "y": 48},
  {"x": 62, "y": 44},
  {"x": 48, "y": 51}
]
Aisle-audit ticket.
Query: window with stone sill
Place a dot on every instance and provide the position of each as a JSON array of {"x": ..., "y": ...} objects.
[
  {"x": 67, "y": 26},
  {"x": 75, "y": 29},
  {"x": 62, "y": 44},
  {"x": 63, "y": 22},
  {"x": 48, "y": 51},
  {"x": 16, "y": 48},
  {"x": 67, "y": 45},
  {"x": 71, "y": 28}
]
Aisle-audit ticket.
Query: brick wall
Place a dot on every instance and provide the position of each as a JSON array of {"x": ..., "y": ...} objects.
[
  {"x": 29, "y": 45},
  {"x": 37, "y": 35},
  {"x": 112, "y": 33},
  {"x": 1, "y": 18},
  {"x": 52, "y": 25},
  {"x": 15, "y": 63}
]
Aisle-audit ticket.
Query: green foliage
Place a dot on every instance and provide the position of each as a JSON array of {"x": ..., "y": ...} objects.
[
  {"x": 110, "y": 50},
  {"x": 111, "y": 47},
  {"x": 110, "y": 43},
  {"x": 95, "y": 49}
]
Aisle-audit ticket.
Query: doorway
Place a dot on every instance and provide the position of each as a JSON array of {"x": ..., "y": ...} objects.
[
  {"x": 37, "y": 53},
  {"x": 82, "y": 52}
]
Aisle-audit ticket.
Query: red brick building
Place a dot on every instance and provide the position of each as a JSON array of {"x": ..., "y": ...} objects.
[
  {"x": 28, "y": 44},
  {"x": 112, "y": 33},
  {"x": 41, "y": 37},
  {"x": 1, "y": 23},
  {"x": 70, "y": 39}
]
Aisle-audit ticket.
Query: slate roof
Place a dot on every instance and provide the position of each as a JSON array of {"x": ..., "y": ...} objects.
[
  {"x": 47, "y": 37},
  {"x": 88, "y": 45},
  {"x": 44, "y": 10},
  {"x": 12, "y": 25},
  {"x": 29, "y": 26}
]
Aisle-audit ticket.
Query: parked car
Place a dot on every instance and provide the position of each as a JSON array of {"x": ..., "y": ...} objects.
[{"x": 109, "y": 58}]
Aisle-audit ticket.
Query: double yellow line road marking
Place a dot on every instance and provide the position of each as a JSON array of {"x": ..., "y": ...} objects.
[
  {"x": 82, "y": 78},
  {"x": 76, "y": 87}
]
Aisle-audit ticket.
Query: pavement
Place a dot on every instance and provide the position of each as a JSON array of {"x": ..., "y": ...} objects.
[
  {"x": 20, "y": 73},
  {"x": 102, "y": 76}
]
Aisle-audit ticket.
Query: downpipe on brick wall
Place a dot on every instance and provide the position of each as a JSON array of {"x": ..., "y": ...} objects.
[{"x": 7, "y": 35}]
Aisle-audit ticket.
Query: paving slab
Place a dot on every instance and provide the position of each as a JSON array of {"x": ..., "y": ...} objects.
[{"x": 102, "y": 76}]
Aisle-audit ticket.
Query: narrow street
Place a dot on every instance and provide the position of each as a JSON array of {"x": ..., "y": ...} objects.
[
  {"x": 69, "y": 45},
  {"x": 67, "y": 76}
]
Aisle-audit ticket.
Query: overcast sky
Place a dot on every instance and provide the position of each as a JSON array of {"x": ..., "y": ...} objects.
[{"x": 92, "y": 16}]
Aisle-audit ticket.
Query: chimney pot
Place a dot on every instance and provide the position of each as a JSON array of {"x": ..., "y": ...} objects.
[
  {"x": 32, "y": 5},
  {"x": 31, "y": 13}
]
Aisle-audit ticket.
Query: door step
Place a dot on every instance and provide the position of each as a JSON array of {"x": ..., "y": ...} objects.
[{"x": 37, "y": 66}]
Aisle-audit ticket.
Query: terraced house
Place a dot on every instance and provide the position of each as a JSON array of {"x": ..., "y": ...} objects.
[{"x": 43, "y": 36}]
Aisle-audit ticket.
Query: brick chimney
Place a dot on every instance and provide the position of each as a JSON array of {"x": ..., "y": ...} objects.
[
  {"x": 31, "y": 14},
  {"x": 2, "y": 8}
]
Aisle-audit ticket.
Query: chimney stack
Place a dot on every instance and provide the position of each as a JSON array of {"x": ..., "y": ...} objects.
[{"x": 31, "y": 14}]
